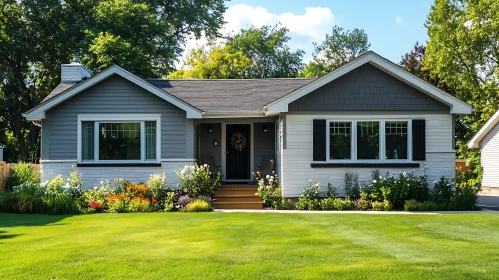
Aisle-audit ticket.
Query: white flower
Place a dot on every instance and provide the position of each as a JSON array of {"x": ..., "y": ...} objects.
[
  {"x": 95, "y": 188},
  {"x": 380, "y": 177},
  {"x": 374, "y": 181},
  {"x": 408, "y": 185},
  {"x": 205, "y": 165},
  {"x": 256, "y": 193},
  {"x": 182, "y": 172},
  {"x": 405, "y": 174}
]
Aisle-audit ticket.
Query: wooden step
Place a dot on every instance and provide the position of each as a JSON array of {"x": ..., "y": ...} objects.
[
  {"x": 238, "y": 198},
  {"x": 237, "y": 205},
  {"x": 230, "y": 193}
]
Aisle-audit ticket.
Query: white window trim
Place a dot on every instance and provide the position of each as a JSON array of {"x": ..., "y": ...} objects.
[
  {"x": 120, "y": 118},
  {"x": 382, "y": 141}
]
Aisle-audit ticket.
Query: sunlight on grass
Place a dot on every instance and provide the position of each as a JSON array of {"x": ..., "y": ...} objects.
[{"x": 249, "y": 245}]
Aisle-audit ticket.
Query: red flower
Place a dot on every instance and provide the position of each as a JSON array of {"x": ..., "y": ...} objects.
[
  {"x": 154, "y": 200},
  {"x": 95, "y": 205}
]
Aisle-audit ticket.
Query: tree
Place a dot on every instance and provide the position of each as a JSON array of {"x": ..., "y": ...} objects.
[
  {"x": 37, "y": 36},
  {"x": 146, "y": 37},
  {"x": 337, "y": 49},
  {"x": 267, "y": 48},
  {"x": 216, "y": 62},
  {"x": 463, "y": 52}
]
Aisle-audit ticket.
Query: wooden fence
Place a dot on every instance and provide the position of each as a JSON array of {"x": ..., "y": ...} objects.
[
  {"x": 6, "y": 172},
  {"x": 461, "y": 165}
]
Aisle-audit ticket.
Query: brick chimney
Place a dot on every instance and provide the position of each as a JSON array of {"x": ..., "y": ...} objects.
[{"x": 74, "y": 72}]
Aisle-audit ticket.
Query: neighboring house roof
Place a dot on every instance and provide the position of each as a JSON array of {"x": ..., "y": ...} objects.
[
  {"x": 489, "y": 125},
  {"x": 236, "y": 96},
  {"x": 59, "y": 94},
  {"x": 456, "y": 106}
]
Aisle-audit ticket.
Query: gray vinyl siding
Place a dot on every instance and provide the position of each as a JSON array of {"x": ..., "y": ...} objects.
[
  {"x": 490, "y": 158},
  {"x": 114, "y": 95},
  {"x": 209, "y": 153},
  {"x": 367, "y": 88},
  {"x": 264, "y": 146}
]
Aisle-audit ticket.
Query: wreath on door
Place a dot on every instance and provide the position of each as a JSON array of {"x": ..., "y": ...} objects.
[{"x": 238, "y": 141}]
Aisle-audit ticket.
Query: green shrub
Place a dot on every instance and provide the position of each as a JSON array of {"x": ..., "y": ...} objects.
[
  {"x": 23, "y": 173},
  {"x": 352, "y": 185},
  {"x": 60, "y": 204},
  {"x": 198, "y": 205},
  {"x": 378, "y": 205},
  {"x": 413, "y": 205},
  {"x": 25, "y": 198},
  {"x": 310, "y": 197},
  {"x": 158, "y": 186},
  {"x": 466, "y": 192},
  {"x": 269, "y": 190},
  {"x": 286, "y": 204},
  {"x": 170, "y": 201},
  {"x": 362, "y": 204},
  {"x": 138, "y": 204},
  {"x": 197, "y": 180},
  {"x": 337, "y": 204},
  {"x": 442, "y": 192}
]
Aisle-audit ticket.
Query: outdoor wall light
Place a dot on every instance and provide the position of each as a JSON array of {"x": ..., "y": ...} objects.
[
  {"x": 210, "y": 129},
  {"x": 265, "y": 129},
  {"x": 215, "y": 143}
]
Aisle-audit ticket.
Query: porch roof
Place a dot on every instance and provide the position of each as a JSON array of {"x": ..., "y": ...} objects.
[{"x": 241, "y": 95}]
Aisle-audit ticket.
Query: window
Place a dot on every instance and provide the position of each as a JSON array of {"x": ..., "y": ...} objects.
[
  {"x": 396, "y": 140},
  {"x": 119, "y": 140},
  {"x": 340, "y": 140},
  {"x": 367, "y": 141}
]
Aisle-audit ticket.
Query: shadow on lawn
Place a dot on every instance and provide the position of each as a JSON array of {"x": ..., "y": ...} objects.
[{"x": 27, "y": 220}]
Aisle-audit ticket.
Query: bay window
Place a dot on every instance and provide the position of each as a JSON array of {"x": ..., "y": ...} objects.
[
  {"x": 368, "y": 141},
  {"x": 119, "y": 139}
]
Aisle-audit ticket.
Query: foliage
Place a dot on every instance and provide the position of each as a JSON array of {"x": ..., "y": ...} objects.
[
  {"x": 463, "y": 52},
  {"x": 442, "y": 191},
  {"x": 170, "y": 201},
  {"x": 36, "y": 37},
  {"x": 338, "y": 48},
  {"x": 157, "y": 186},
  {"x": 197, "y": 180},
  {"x": 362, "y": 204},
  {"x": 269, "y": 189},
  {"x": 352, "y": 185},
  {"x": 138, "y": 190},
  {"x": 466, "y": 191},
  {"x": 140, "y": 204},
  {"x": 310, "y": 197},
  {"x": 182, "y": 202},
  {"x": 395, "y": 191},
  {"x": 25, "y": 198},
  {"x": 413, "y": 205},
  {"x": 330, "y": 203},
  {"x": 116, "y": 203},
  {"x": 267, "y": 48},
  {"x": 198, "y": 205},
  {"x": 286, "y": 204},
  {"x": 22, "y": 173},
  {"x": 214, "y": 62}
]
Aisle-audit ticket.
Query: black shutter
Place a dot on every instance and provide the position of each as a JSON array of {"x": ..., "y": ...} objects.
[
  {"x": 418, "y": 140},
  {"x": 319, "y": 140}
]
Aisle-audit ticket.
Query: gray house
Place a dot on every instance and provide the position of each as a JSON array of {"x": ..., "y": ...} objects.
[{"x": 368, "y": 114}]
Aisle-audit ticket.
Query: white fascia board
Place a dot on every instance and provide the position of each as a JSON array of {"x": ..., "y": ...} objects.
[
  {"x": 456, "y": 106},
  {"x": 39, "y": 113},
  {"x": 487, "y": 127}
]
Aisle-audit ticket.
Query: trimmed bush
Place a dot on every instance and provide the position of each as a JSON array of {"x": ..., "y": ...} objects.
[
  {"x": 198, "y": 205},
  {"x": 413, "y": 205}
]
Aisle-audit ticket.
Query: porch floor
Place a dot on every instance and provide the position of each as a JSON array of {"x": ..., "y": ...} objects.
[{"x": 237, "y": 196}]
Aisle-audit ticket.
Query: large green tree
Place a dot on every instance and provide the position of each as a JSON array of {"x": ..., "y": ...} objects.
[
  {"x": 214, "y": 62},
  {"x": 338, "y": 48},
  {"x": 268, "y": 48},
  {"x": 463, "y": 52},
  {"x": 36, "y": 36}
]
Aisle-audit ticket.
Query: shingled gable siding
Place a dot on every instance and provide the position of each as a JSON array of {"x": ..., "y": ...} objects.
[
  {"x": 367, "y": 88},
  {"x": 114, "y": 96}
]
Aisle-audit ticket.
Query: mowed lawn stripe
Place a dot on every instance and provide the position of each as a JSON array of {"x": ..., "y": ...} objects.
[{"x": 249, "y": 246}]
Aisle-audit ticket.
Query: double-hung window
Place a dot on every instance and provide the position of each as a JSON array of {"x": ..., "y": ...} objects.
[
  {"x": 118, "y": 138},
  {"x": 368, "y": 140}
]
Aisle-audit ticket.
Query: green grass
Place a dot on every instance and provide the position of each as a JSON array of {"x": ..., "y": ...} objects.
[{"x": 249, "y": 245}]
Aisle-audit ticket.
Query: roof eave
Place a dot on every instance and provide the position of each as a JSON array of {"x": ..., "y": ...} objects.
[{"x": 486, "y": 128}]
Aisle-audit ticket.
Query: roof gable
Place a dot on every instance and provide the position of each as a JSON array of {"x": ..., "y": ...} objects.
[
  {"x": 456, "y": 106},
  {"x": 38, "y": 112},
  {"x": 487, "y": 127},
  {"x": 367, "y": 88}
]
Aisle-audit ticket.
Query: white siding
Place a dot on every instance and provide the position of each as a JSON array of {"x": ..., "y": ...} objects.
[
  {"x": 490, "y": 158},
  {"x": 297, "y": 157},
  {"x": 92, "y": 176}
]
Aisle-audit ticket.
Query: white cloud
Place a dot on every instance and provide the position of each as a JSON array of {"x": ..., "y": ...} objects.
[
  {"x": 399, "y": 19},
  {"x": 311, "y": 26}
]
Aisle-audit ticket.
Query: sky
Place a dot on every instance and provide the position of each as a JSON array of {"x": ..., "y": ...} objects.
[{"x": 393, "y": 26}]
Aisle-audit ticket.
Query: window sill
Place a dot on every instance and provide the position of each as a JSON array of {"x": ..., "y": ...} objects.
[
  {"x": 137, "y": 164},
  {"x": 367, "y": 165}
]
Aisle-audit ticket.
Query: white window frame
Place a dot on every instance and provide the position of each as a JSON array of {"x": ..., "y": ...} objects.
[
  {"x": 382, "y": 141},
  {"x": 120, "y": 118}
]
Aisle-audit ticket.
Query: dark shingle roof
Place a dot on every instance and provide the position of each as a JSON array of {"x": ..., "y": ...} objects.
[
  {"x": 241, "y": 95},
  {"x": 237, "y": 95}
]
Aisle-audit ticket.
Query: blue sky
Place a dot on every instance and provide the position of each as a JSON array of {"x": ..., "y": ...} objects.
[{"x": 393, "y": 26}]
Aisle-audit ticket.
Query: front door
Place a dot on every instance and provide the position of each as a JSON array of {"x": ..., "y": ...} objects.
[{"x": 238, "y": 151}]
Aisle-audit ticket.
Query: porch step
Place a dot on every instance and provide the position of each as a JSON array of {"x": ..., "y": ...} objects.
[
  {"x": 237, "y": 197},
  {"x": 238, "y": 205}
]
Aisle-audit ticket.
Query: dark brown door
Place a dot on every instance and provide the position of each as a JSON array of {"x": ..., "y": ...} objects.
[{"x": 238, "y": 151}]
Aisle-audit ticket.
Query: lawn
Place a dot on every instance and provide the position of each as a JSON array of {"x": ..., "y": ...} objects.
[{"x": 249, "y": 245}]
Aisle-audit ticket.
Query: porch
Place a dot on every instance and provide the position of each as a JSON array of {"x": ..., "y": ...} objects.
[{"x": 237, "y": 147}]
